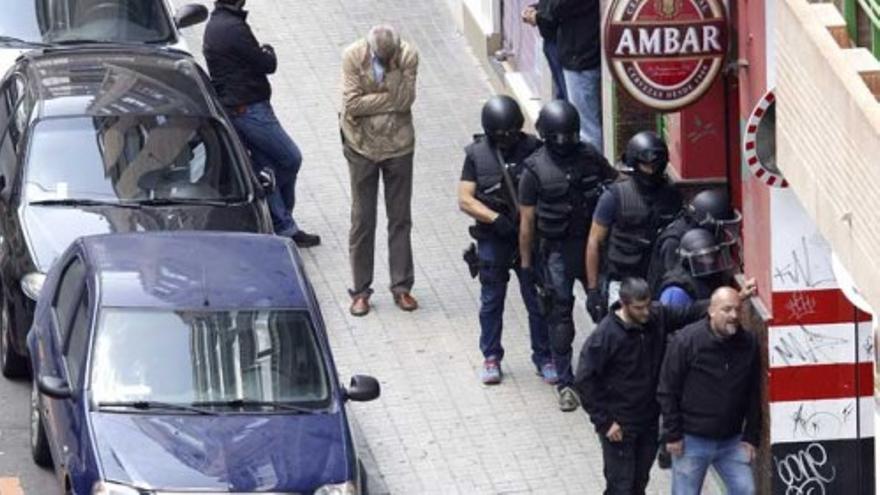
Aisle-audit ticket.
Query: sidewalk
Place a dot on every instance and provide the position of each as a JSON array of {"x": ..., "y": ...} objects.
[{"x": 436, "y": 429}]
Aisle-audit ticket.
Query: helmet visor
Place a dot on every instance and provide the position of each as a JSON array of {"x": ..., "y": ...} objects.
[{"x": 708, "y": 261}]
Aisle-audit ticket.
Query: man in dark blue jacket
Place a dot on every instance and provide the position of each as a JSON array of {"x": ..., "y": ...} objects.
[{"x": 239, "y": 67}]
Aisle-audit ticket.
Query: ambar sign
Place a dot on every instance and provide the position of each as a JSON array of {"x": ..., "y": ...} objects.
[{"x": 666, "y": 53}]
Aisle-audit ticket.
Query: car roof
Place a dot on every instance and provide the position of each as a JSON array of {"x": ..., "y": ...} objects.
[
  {"x": 116, "y": 80},
  {"x": 195, "y": 270}
]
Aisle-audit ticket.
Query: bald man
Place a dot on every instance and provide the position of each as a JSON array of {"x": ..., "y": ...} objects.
[{"x": 709, "y": 394}]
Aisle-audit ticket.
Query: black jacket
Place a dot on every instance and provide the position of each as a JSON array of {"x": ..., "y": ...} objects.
[
  {"x": 619, "y": 367},
  {"x": 577, "y": 35},
  {"x": 710, "y": 386},
  {"x": 236, "y": 62}
]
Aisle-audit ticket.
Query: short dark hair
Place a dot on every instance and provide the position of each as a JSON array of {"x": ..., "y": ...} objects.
[{"x": 634, "y": 289}]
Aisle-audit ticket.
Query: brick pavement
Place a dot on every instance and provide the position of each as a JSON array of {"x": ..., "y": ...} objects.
[{"x": 436, "y": 429}]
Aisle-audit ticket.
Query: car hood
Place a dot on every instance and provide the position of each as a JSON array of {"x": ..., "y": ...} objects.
[
  {"x": 237, "y": 453},
  {"x": 51, "y": 229}
]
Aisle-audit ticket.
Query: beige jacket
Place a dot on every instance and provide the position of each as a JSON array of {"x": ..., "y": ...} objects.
[{"x": 376, "y": 119}]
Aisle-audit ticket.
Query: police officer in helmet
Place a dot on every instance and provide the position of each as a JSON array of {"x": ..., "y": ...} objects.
[
  {"x": 705, "y": 265},
  {"x": 709, "y": 209},
  {"x": 630, "y": 215},
  {"x": 488, "y": 194},
  {"x": 558, "y": 194}
]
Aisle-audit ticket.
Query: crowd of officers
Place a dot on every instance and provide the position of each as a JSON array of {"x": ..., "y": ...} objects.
[{"x": 657, "y": 272}]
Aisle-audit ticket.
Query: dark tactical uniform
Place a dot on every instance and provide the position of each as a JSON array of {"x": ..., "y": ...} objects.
[
  {"x": 641, "y": 215},
  {"x": 497, "y": 254},
  {"x": 564, "y": 190}
]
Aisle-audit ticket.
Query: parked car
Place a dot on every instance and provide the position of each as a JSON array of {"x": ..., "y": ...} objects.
[
  {"x": 104, "y": 139},
  {"x": 26, "y": 24},
  {"x": 189, "y": 362}
]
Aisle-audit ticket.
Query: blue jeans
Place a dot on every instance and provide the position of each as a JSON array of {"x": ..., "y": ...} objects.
[
  {"x": 728, "y": 457},
  {"x": 551, "y": 53},
  {"x": 496, "y": 260},
  {"x": 271, "y": 146},
  {"x": 559, "y": 272},
  {"x": 585, "y": 93}
]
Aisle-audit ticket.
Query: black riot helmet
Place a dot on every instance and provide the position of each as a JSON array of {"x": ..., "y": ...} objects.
[
  {"x": 559, "y": 126},
  {"x": 711, "y": 210},
  {"x": 502, "y": 121},
  {"x": 646, "y": 148},
  {"x": 703, "y": 255}
]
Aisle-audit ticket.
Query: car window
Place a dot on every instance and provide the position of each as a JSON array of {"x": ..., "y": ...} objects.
[
  {"x": 77, "y": 340},
  {"x": 186, "y": 357},
  {"x": 132, "y": 158},
  {"x": 68, "y": 295},
  {"x": 8, "y": 159},
  {"x": 18, "y": 118},
  {"x": 95, "y": 20}
]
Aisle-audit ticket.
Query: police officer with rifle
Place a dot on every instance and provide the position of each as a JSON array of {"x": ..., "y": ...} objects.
[
  {"x": 558, "y": 194},
  {"x": 487, "y": 193}
]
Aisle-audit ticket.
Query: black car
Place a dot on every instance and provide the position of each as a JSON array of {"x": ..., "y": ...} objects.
[{"x": 109, "y": 139}]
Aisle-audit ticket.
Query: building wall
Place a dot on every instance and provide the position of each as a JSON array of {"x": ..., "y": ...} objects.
[
  {"x": 821, "y": 376},
  {"x": 828, "y": 142}
]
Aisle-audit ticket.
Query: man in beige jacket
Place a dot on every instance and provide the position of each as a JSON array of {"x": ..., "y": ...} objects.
[{"x": 378, "y": 90}]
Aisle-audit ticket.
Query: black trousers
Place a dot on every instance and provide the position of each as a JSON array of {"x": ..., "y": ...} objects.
[{"x": 628, "y": 462}]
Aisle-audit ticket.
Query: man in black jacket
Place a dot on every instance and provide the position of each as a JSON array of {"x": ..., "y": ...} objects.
[
  {"x": 239, "y": 67},
  {"x": 710, "y": 396},
  {"x": 617, "y": 381},
  {"x": 580, "y": 54}
]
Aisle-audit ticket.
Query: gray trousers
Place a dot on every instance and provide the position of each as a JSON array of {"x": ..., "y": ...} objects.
[{"x": 397, "y": 174}]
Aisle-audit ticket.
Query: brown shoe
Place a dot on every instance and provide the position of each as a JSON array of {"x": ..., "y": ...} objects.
[
  {"x": 406, "y": 301},
  {"x": 360, "y": 305}
]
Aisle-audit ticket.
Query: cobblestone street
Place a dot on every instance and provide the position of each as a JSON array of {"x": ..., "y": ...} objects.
[{"x": 435, "y": 429}]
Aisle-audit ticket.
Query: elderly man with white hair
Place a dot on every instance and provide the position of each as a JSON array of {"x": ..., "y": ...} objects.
[{"x": 378, "y": 90}]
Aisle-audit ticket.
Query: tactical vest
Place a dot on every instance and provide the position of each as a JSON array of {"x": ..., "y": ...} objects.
[
  {"x": 640, "y": 218},
  {"x": 491, "y": 190},
  {"x": 568, "y": 192}
]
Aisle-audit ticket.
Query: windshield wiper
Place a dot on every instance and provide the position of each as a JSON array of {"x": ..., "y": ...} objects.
[
  {"x": 145, "y": 405},
  {"x": 241, "y": 403},
  {"x": 11, "y": 40},
  {"x": 82, "y": 202},
  {"x": 180, "y": 201}
]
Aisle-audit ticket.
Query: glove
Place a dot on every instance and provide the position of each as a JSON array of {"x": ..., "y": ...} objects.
[
  {"x": 527, "y": 275},
  {"x": 504, "y": 227},
  {"x": 595, "y": 305}
]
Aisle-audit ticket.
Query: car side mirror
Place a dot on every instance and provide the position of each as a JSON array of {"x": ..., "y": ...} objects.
[
  {"x": 266, "y": 177},
  {"x": 362, "y": 388},
  {"x": 53, "y": 386},
  {"x": 190, "y": 15}
]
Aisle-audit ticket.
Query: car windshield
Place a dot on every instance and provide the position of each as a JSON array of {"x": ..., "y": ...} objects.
[
  {"x": 207, "y": 357},
  {"x": 140, "y": 157},
  {"x": 48, "y": 21}
]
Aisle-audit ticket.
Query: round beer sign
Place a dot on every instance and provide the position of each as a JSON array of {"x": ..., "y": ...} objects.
[{"x": 666, "y": 53}]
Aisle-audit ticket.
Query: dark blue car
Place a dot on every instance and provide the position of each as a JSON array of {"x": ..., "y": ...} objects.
[{"x": 188, "y": 362}]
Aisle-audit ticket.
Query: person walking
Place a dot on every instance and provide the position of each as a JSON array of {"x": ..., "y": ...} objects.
[
  {"x": 558, "y": 194},
  {"x": 617, "y": 378},
  {"x": 239, "y": 67},
  {"x": 710, "y": 396},
  {"x": 487, "y": 192},
  {"x": 630, "y": 215},
  {"x": 378, "y": 91}
]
